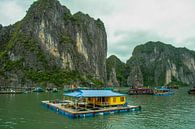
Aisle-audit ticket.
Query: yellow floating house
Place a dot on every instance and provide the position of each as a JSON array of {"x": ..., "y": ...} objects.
[
  {"x": 99, "y": 97},
  {"x": 85, "y": 103}
]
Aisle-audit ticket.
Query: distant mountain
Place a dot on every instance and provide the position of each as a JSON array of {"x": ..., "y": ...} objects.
[
  {"x": 153, "y": 64},
  {"x": 156, "y": 63},
  {"x": 115, "y": 71},
  {"x": 52, "y": 46}
]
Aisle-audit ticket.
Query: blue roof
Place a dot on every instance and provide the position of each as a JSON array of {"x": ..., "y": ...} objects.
[{"x": 93, "y": 93}]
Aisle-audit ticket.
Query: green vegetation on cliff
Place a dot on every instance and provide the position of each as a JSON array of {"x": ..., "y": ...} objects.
[
  {"x": 43, "y": 48},
  {"x": 163, "y": 64},
  {"x": 57, "y": 77}
]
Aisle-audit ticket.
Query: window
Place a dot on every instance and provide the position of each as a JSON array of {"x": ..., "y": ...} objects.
[
  {"x": 114, "y": 100},
  {"x": 122, "y": 99}
]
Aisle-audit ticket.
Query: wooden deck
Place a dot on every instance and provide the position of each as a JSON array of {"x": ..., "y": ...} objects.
[{"x": 77, "y": 112}]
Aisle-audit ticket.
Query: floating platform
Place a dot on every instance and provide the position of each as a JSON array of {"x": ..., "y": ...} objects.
[{"x": 71, "y": 112}]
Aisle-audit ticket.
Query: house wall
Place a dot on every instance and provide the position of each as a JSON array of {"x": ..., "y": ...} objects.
[
  {"x": 109, "y": 101},
  {"x": 117, "y": 100}
]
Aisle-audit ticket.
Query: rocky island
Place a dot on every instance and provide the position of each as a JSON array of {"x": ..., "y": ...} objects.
[
  {"x": 52, "y": 46},
  {"x": 156, "y": 64}
]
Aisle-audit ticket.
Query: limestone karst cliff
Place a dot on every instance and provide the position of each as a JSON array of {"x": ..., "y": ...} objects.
[
  {"x": 156, "y": 63},
  {"x": 116, "y": 73},
  {"x": 153, "y": 64},
  {"x": 51, "y": 45}
]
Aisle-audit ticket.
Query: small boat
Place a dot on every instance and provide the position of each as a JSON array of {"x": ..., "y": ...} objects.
[
  {"x": 38, "y": 89},
  {"x": 70, "y": 88},
  {"x": 173, "y": 87},
  {"x": 11, "y": 92},
  {"x": 54, "y": 90},
  {"x": 48, "y": 89},
  {"x": 140, "y": 91},
  {"x": 73, "y": 88},
  {"x": 163, "y": 91},
  {"x": 192, "y": 90}
]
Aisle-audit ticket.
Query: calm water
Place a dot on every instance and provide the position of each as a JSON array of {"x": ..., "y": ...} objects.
[{"x": 25, "y": 112}]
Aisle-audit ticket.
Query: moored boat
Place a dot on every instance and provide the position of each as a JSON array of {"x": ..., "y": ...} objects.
[
  {"x": 173, "y": 87},
  {"x": 141, "y": 91},
  {"x": 49, "y": 89},
  {"x": 72, "y": 88},
  {"x": 54, "y": 90},
  {"x": 163, "y": 91},
  {"x": 38, "y": 89},
  {"x": 192, "y": 90},
  {"x": 11, "y": 92}
]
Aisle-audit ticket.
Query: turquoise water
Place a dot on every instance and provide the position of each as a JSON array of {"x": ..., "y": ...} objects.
[{"x": 24, "y": 111}]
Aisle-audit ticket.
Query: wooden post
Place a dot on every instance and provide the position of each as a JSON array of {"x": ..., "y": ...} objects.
[
  {"x": 101, "y": 101},
  {"x": 85, "y": 103},
  {"x": 94, "y": 101},
  {"x": 75, "y": 103}
]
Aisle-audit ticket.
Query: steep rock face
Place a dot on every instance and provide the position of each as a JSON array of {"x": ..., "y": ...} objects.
[
  {"x": 156, "y": 63},
  {"x": 116, "y": 73},
  {"x": 50, "y": 38},
  {"x": 5, "y": 33},
  {"x": 113, "y": 79},
  {"x": 135, "y": 77}
]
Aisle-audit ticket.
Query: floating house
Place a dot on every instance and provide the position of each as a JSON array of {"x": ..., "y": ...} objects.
[
  {"x": 84, "y": 103},
  {"x": 99, "y": 97}
]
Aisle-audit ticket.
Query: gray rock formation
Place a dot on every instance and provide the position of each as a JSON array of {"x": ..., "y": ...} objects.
[
  {"x": 156, "y": 63},
  {"x": 116, "y": 73},
  {"x": 50, "y": 38},
  {"x": 113, "y": 78}
]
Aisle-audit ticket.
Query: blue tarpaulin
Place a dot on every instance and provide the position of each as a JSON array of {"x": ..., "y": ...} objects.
[{"x": 93, "y": 93}]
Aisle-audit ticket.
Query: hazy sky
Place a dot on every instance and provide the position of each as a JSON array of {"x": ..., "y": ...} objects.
[{"x": 128, "y": 22}]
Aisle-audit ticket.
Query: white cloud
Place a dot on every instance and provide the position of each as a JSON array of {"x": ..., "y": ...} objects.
[
  {"x": 128, "y": 22},
  {"x": 132, "y": 22},
  {"x": 10, "y": 12}
]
